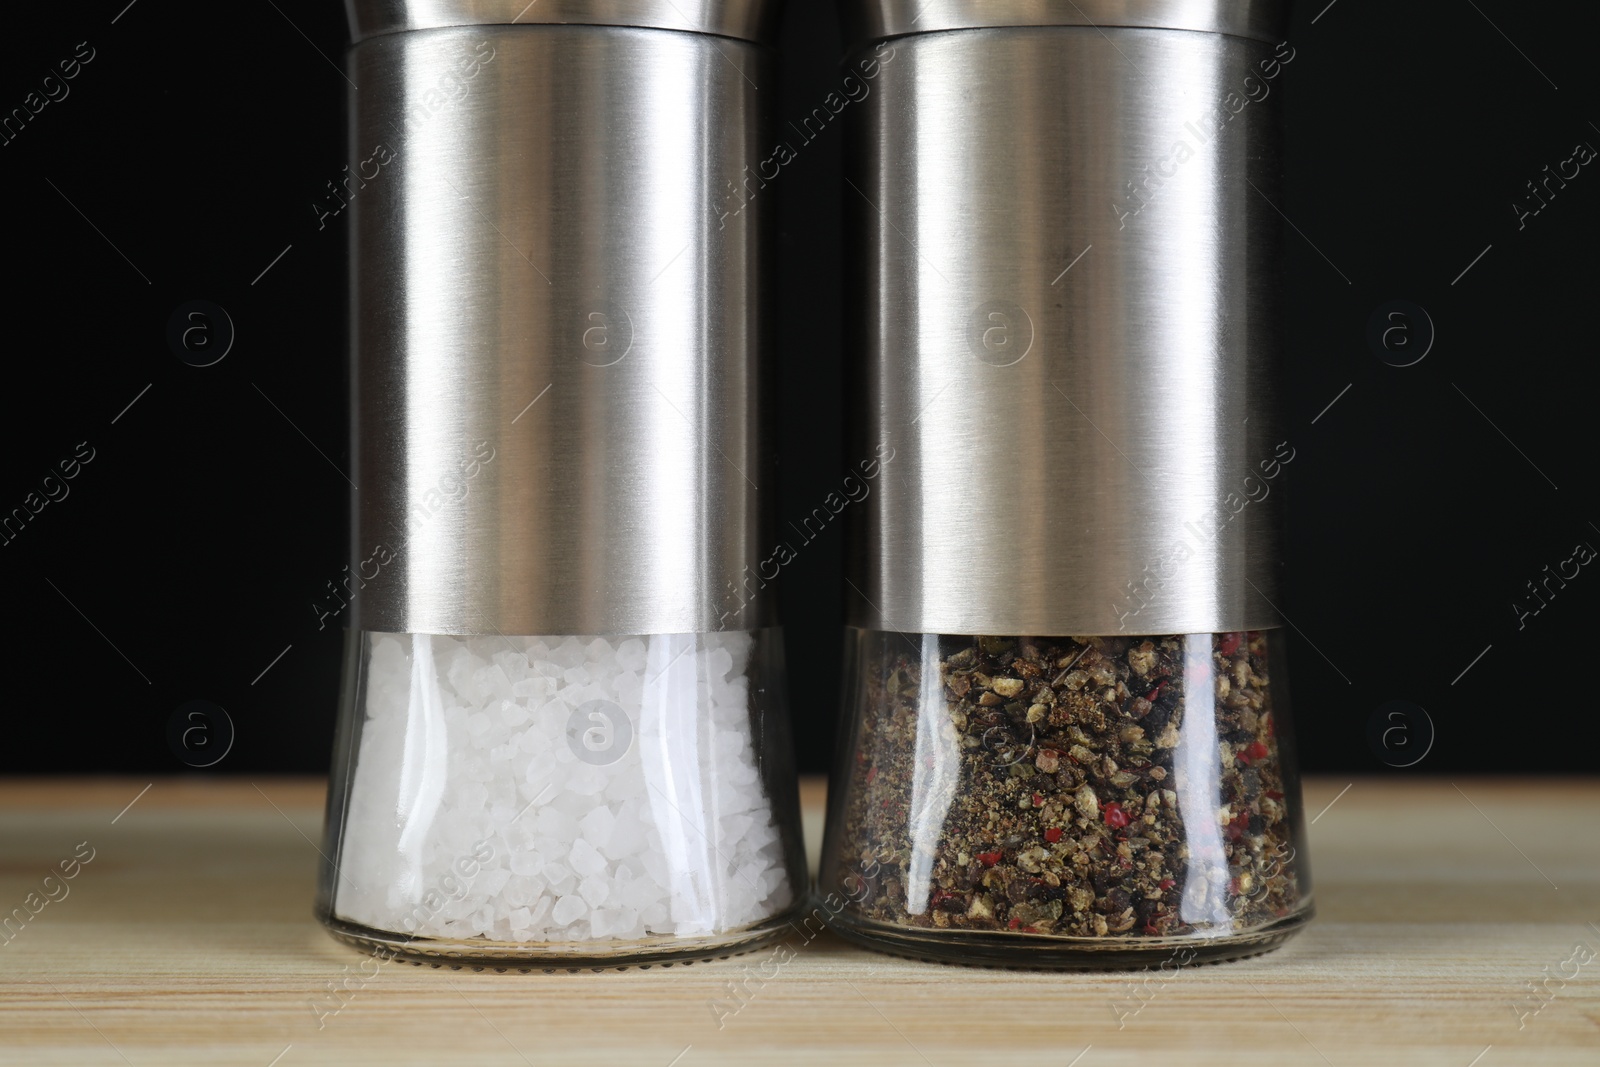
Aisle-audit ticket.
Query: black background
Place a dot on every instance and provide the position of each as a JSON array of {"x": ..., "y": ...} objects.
[{"x": 190, "y": 549}]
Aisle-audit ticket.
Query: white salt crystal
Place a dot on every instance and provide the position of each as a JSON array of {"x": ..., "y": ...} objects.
[
  {"x": 626, "y": 835},
  {"x": 734, "y": 827},
  {"x": 594, "y": 890},
  {"x": 585, "y": 858},
  {"x": 605, "y": 922},
  {"x": 553, "y": 823},
  {"x": 761, "y": 835},
  {"x": 522, "y": 889},
  {"x": 596, "y": 826},
  {"x": 514, "y": 664},
  {"x": 536, "y": 689},
  {"x": 462, "y": 666},
  {"x": 630, "y": 654},
  {"x": 490, "y": 883},
  {"x": 629, "y": 688},
  {"x": 655, "y": 865},
  {"x": 625, "y": 787},
  {"x": 568, "y": 909},
  {"x": 586, "y": 781},
  {"x": 560, "y": 878},
  {"x": 641, "y": 893},
  {"x": 730, "y": 694}
]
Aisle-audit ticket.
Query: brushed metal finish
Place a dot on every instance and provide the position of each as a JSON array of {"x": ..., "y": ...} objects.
[
  {"x": 750, "y": 20},
  {"x": 1072, "y": 389},
  {"x": 557, "y": 331},
  {"x": 1264, "y": 20}
]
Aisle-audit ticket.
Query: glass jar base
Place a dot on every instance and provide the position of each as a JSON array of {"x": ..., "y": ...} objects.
[
  {"x": 559, "y": 957},
  {"x": 1033, "y": 952}
]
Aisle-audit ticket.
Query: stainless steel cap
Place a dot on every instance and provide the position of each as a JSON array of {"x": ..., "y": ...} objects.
[
  {"x": 1263, "y": 20},
  {"x": 749, "y": 20},
  {"x": 557, "y": 331},
  {"x": 1067, "y": 288}
]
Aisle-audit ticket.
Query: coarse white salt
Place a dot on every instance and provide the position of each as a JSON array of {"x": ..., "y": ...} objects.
[
  {"x": 568, "y": 908},
  {"x": 559, "y": 788}
]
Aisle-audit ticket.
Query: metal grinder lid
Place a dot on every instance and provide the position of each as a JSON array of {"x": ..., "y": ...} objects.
[
  {"x": 748, "y": 20},
  {"x": 870, "y": 20}
]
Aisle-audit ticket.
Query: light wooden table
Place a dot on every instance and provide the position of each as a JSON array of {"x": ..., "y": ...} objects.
[{"x": 188, "y": 939}]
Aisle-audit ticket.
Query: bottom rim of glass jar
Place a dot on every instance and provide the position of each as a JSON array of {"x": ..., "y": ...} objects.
[
  {"x": 981, "y": 948},
  {"x": 560, "y": 956}
]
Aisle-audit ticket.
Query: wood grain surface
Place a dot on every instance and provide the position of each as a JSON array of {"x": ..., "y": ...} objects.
[{"x": 188, "y": 939}]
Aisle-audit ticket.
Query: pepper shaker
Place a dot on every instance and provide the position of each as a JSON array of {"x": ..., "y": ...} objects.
[
  {"x": 562, "y": 737},
  {"x": 1066, "y": 736}
]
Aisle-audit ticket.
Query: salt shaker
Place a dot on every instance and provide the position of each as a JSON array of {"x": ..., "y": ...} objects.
[
  {"x": 562, "y": 738},
  {"x": 1067, "y": 734}
]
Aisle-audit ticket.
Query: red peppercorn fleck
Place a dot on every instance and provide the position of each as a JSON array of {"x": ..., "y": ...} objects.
[
  {"x": 1053, "y": 834},
  {"x": 1167, "y": 883},
  {"x": 1257, "y": 750},
  {"x": 989, "y": 859},
  {"x": 1274, "y": 794},
  {"x": 1038, "y": 801},
  {"x": 1229, "y": 644},
  {"x": 872, "y": 772},
  {"x": 1014, "y": 923},
  {"x": 1151, "y": 696},
  {"x": 1115, "y": 817}
]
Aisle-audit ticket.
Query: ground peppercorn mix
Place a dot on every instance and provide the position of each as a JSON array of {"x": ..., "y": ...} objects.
[{"x": 1108, "y": 794}]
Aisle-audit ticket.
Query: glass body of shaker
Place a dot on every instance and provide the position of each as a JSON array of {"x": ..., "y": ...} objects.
[
  {"x": 1063, "y": 801},
  {"x": 565, "y": 801}
]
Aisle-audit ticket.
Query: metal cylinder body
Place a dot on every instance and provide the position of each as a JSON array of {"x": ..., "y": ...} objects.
[
  {"x": 557, "y": 312},
  {"x": 1067, "y": 326}
]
